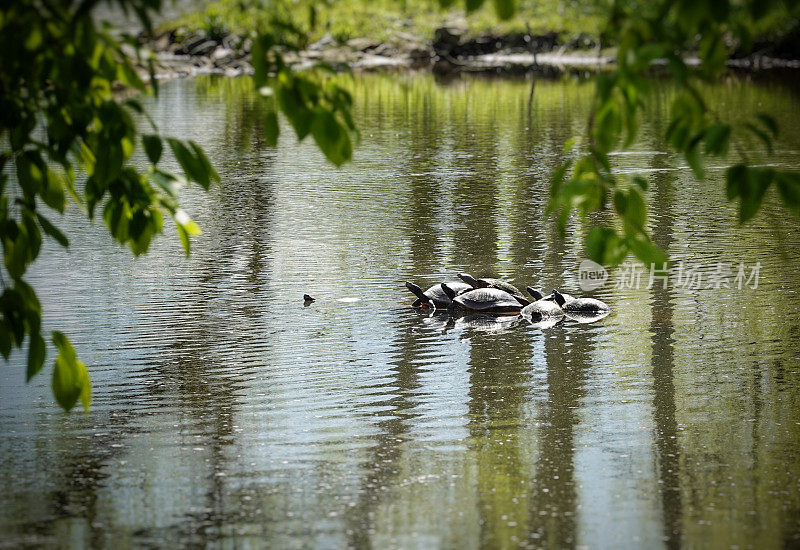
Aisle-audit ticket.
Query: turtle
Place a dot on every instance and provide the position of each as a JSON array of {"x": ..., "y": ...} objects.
[
  {"x": 580, "y": 305},
  {"x": 486, "y": 300},
  {"x": 542, "y": 308},
  {"x": 488, "y": 282},
  {"x": 435, "y": 295}
]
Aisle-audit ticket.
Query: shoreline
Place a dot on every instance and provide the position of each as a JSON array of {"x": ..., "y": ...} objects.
[{"x": 192, "y": 54}]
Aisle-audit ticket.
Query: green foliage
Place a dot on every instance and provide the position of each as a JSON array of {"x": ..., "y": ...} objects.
[
  {"x": 667, "y": 31},
  {"x": 70, "y": 377},
  {"x": 381, "y": 20},
  {"x": 59, "y": 117},
  {"x": 311, "y": 103}
]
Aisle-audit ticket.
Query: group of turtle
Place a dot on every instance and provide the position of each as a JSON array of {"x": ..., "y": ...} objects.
[{"x": 495, "y": 296}]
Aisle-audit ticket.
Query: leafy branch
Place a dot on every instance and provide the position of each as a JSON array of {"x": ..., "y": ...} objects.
[{"x": 663, "y": 33}]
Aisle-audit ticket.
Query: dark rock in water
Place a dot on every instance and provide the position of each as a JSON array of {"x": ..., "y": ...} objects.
[
  {"x": 446, "y": 40},
  {"x": 307, "y": 300},
  {"x": 203, "y": 48},
  {"x": 417, "y": 52},
  {"x": 190, "y": 42}
]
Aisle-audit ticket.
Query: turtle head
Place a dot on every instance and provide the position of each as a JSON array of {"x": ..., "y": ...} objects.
[
  {"x": 559, "y": 299},
  {"x": 449, "y": 291},
  {"x": 417, "y": 291},
  {"x": 535, "y": 293},
  {"x": 469, "y": 279}
]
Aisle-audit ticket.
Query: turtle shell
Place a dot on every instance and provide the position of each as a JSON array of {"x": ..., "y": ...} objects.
[
  {"x": 585, "y": 305},
  {"x": 489, "y": 300},
  {"x": 542, "y": 308},
  {"x": 505, "y": 286}
]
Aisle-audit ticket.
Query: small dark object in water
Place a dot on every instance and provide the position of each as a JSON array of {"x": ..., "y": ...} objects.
[{"x": 307, "y": 300}]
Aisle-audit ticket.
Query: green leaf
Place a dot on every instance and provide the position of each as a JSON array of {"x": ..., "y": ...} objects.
[
  {"x": 769, "y": 123},
  {"x": 636, "y": 213},
  {"x": 52, "y": 231},
  {"x": 34, "y": 235},
  {"x": 186, "y": 227},
  {"x": 713, "y": 54},
  {"x": 193, "y": 167},
  {"x": 762, "y": 135},
  {"x": 29, "y": 172},
  {"x": 695, "y": 160},
  {"x": 331, "y": 137},
  {"x": 153, "y": 147},
  {"x": 608, "y": 124},
  {"x": 271, "y": 128},
  {"x": 736, "y": 179},
  {"x": 127, "y": 76},
  {"x": 261, "y": 45},
  {"x": 108, "y": 161},
  {"x": 605, "y": 247},
  {"x": 504, "y": 8},
  {"x": 646, "y": 250},
  {"x": 5, "y": 339},
  {"x": 717, "y": 139},
  {"x": 54, "y": 193},
  {"x": 201, "y": 157},
  {"x": 620, "y": 202},
  {"x": 755, "y": 188},
  {"x": 641, "y": 182},
  {"x": 749, "y": 185},
  {"x": 472, "y": 5},
  {"x": 789, "y": 189},
  {"x": 184, "y": 236},
  {"x": 292, "y": 104},
  {"x": 70, "y": 377},
  {"x": 166, "y": 181},
  {"x": 36, "y": 356}
]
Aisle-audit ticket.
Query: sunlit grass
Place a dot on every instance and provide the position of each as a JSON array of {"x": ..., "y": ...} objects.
[{"x": 382, "y": 19}]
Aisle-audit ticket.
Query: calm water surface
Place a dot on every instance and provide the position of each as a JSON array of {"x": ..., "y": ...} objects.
[{"x": 227, "y": 414}]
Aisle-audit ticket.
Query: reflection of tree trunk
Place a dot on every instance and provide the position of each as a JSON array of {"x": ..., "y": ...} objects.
[
  {"x": 663, "y": 361},
  {"x": 382, "y": 466},
  {"x": 424, "y": 144},
  {"x": 499, "y": 374},
  {"x": 533, "y": 46},
  {"x": 554, "y": 500},
  {"x": 475, "y": 198},
  {"x": 530, "y": 95}
]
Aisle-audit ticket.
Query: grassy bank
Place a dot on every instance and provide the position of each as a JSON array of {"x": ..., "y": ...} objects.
[
  {"x": 380, "y": 20},
  {"x": 574, "y": 22}
]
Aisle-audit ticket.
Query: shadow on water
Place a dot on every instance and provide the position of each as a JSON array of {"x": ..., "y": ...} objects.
[
  {"x": 499, "y": 374},
  {"x": 667, "y": 444},
  {"x": 554, "y": 501}
]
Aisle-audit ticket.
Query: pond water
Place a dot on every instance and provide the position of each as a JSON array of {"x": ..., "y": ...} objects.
[{"x": 225, "y": 413}]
